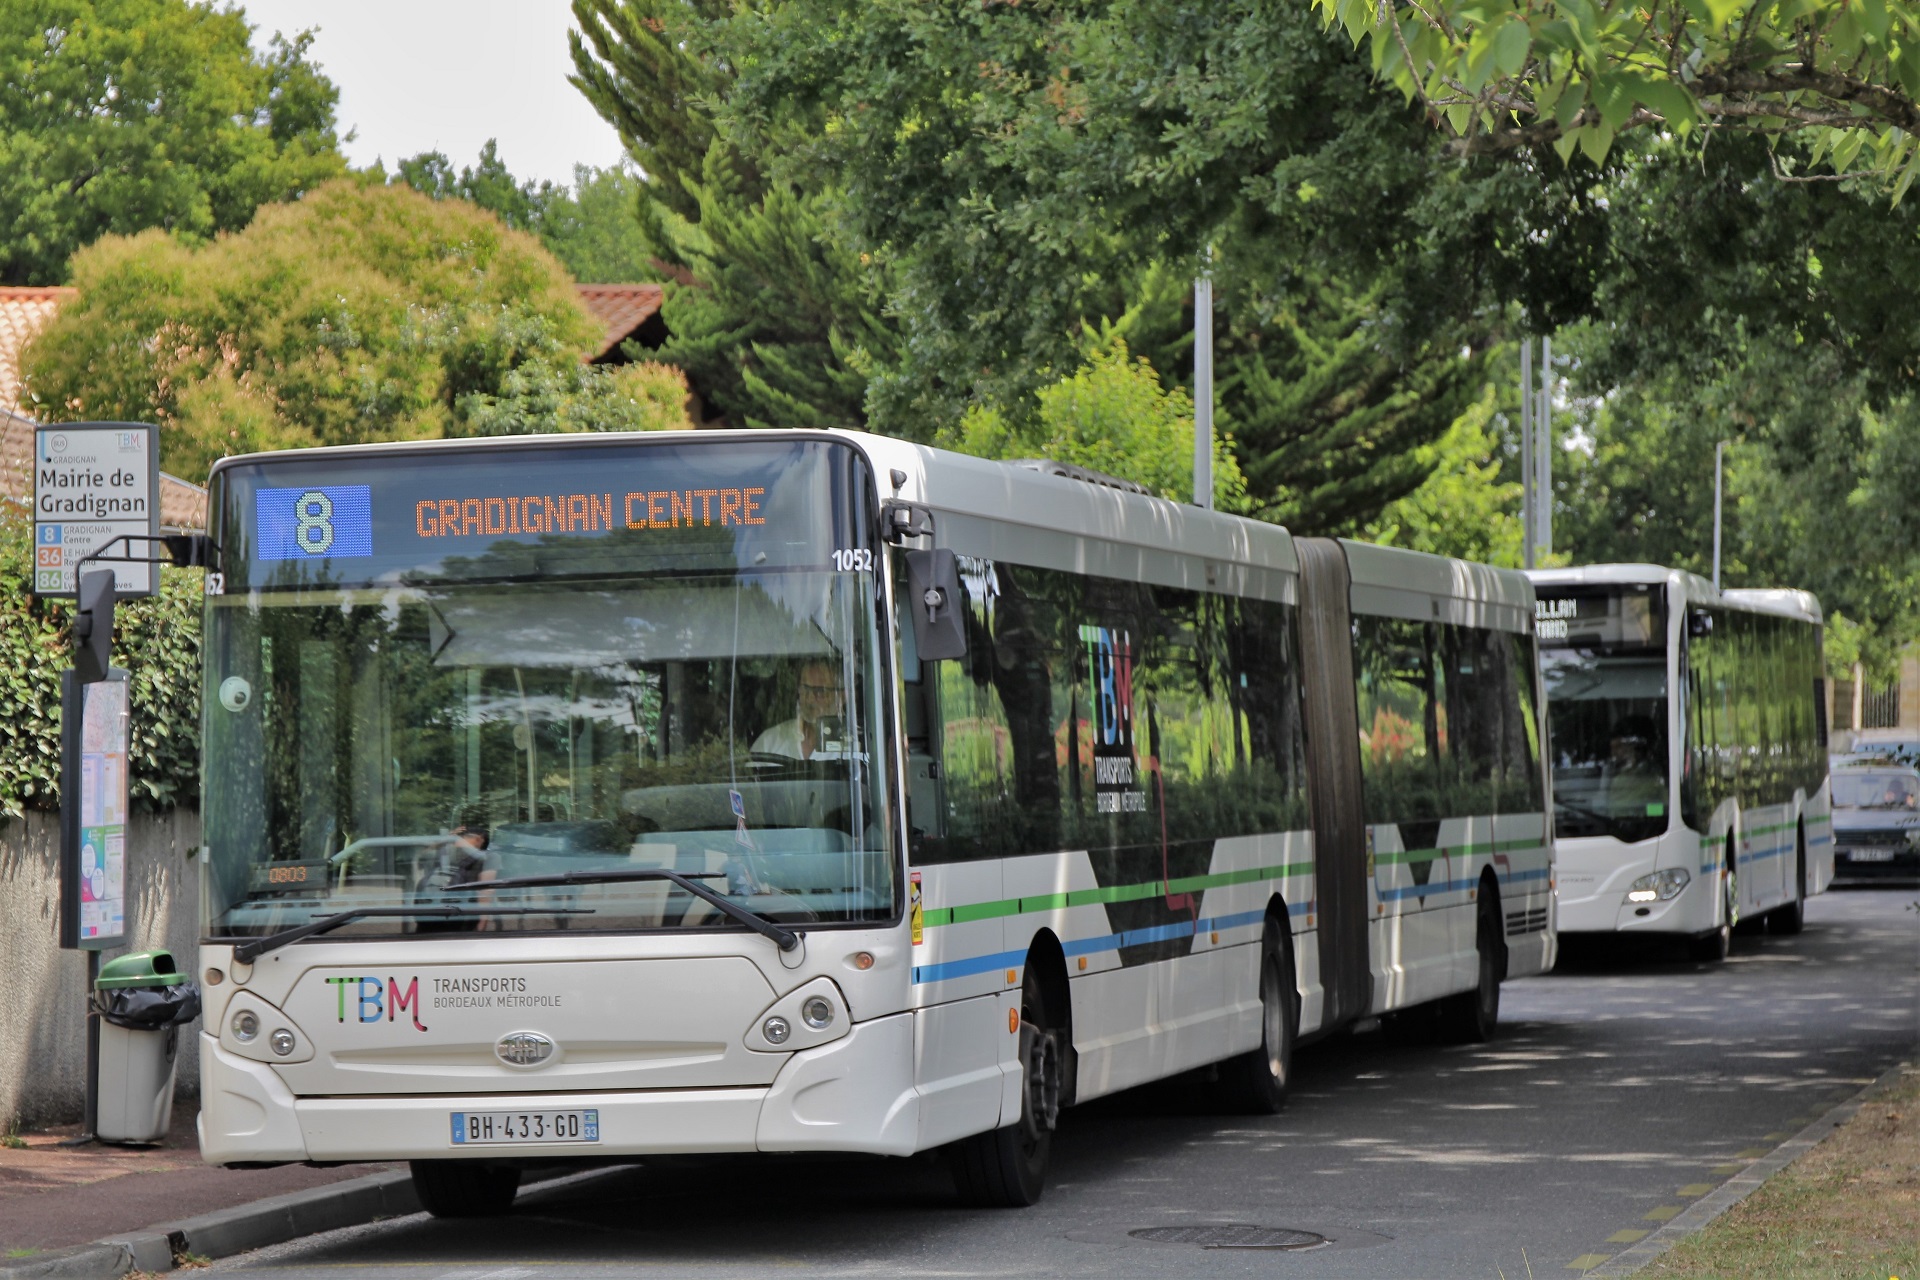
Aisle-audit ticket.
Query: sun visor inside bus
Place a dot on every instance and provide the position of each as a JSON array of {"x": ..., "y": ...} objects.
[{"x": 615, "y": 627}]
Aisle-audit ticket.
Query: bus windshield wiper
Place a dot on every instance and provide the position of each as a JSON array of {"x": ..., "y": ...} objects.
[
  {"x": 787, "y": 939},
  {"x": 251, "y": 950}
]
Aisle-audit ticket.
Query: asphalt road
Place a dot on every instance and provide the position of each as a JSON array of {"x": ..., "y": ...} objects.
[{"x": 1621, "y": 1087}]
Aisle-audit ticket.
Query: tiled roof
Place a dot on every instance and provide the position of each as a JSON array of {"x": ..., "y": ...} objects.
[
  {"x": 622, "y": 308},
  {"x": 22, "y": 312}
]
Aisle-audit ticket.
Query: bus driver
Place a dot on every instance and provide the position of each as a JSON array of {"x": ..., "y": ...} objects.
[{"x": 820, "y": 699}]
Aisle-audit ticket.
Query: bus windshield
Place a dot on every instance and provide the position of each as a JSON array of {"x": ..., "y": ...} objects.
[
  {"x": 1603, "y": 657},
  {"x": 461, "y": 704}
]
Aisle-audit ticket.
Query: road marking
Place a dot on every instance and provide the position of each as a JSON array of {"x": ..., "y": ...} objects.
[
  {"x": 1775, "y": 1137},
  {"x": 1665, "y": 1213},
  {"x": 1728, "y": 1168},
  {"x": 1694, "y": 1189},
  {"x": 1753, "y": 1153},
  {"x": 1629, "y": 1236},
  {"x": 1587, "y": 1261}
]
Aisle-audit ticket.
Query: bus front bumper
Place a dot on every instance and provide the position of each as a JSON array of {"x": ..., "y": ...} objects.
[
  {"x": 1595, "y": 874},
  {"x": 854, "y": 1094}
]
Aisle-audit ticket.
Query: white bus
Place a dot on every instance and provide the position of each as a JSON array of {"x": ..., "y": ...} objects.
[
  {"x": 1689, "y": 752},
  {"x": 802, "y": 791}
]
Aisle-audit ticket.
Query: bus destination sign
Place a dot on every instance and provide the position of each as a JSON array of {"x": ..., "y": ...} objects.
[{"x": 336, "y": 521}]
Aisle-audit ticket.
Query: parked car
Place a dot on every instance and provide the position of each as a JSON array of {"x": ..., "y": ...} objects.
[
  {"x": 1899, "y": 745},
  {"x": 1876, "y": 821}
]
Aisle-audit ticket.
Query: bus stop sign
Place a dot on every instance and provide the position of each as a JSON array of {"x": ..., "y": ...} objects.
[{"x": 94, "y": 482}]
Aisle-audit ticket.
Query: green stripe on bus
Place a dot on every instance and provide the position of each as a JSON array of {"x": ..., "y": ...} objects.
[
  {"x": 1468, "y": 850},
  {"x": 938, "y": 916}
]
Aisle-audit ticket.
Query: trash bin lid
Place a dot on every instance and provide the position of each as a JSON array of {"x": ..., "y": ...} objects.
[{"x": 140, "y": 969}]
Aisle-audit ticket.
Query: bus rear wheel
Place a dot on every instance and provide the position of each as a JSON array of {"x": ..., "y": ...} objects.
[
  {"x": 1255, "y": 1083},
  {"x": 1006, "y": 1168},
  {"x": 464, "y": 1188}
]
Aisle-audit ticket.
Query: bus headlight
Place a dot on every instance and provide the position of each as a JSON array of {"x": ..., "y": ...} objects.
[
  {"x": 1661, "y": 886},
  {"x": 246, "y": 1025}
]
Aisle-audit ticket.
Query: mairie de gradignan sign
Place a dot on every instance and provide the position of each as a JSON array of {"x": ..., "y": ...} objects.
[{"x": 93, "y": 482}]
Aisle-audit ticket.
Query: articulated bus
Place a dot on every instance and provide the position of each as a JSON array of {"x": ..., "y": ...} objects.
[
  {"x": 591, "y": 797},
  {"x": 1689, "y": 753}
]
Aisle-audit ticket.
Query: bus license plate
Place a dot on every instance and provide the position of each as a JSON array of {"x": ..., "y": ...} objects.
[
  {"x": 483, "y": 1128},
  {"x": 1869, "y": 855}
]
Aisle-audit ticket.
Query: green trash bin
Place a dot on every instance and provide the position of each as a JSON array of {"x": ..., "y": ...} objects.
[{"x": 143, "y": 1000}]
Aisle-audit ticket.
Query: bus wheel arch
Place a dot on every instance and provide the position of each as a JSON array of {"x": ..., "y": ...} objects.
[
  {"x": 1471, "y": 1016},
  {"x": 1007, "y": 1167},
  {"x": 1712, "y": 946},
  {"x": 1791, "y": 917},
  {"x": 1047, "y": 965}
]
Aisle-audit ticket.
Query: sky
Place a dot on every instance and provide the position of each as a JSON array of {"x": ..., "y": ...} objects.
[{"x": 446, "y": 75}]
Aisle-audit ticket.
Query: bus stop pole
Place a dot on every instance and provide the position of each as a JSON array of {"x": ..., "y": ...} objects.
[
  {"x": 1526, "y": 452},
  {"x": 1203, "y": 390}
]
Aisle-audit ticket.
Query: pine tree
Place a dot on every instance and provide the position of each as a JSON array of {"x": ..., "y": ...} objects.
[{"x": 775, "y": 321}]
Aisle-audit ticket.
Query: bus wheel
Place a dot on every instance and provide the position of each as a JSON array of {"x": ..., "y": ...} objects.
[
  {"x": 1792, "y": 918},
  {"x": 1471, "y": 1016},
  {"x": 1712, "y": 947},
  {"x": 464, "y": 1188},
  {"x": 1006, "y": 1168},
  {"x": 1255, "y": 1083}
]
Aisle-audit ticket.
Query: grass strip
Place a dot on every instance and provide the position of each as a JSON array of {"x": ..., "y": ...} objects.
[{"x": 1847, "y": 1208}]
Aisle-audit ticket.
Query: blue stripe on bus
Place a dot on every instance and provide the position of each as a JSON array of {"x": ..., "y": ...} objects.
[
  {"x": 1433, "y": 889},
  {"x": 1088, "y": 946}
]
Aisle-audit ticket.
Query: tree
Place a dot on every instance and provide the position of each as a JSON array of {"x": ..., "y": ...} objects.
[
  {"x": 592, "y": 227},
  {"x": 360, "y": 313},
  {"x": 1500, "y": 75},
  {"x": 1024, "y": 169},
  {"x": 1463, "y": 508},
  {"x": 776, "y": 321},
  {"x": 1110, "y": 415},
  {"x": 120, "y": 115}
]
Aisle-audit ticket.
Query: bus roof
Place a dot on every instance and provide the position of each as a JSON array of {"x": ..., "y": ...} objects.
[
  {"x": 1783, "y": 601},
  {"x": 1022, "y": 494}
]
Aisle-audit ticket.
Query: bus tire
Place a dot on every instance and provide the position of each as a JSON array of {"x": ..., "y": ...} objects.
[
  {"x": 1712, "y": 946},
  {"x": 1255, "y": 1082},
  {"x": 1471, "y": 1016},
  {"x": 1006, "y": 1168},
  {"x": 1792, "y": 918},
  {"x": 464, "y": 1188}
]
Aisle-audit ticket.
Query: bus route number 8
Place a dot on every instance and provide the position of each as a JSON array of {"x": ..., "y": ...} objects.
[{"x": 313, "y": 522}]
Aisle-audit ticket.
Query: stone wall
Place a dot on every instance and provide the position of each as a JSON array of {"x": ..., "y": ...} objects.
[{"x": 43, "y": 1039}]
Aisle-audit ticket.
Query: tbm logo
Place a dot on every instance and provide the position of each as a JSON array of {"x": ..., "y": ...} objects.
[{"x": 375, "y": 998}]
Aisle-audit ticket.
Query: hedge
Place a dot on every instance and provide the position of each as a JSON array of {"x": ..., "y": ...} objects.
[{"x": 157, "y": 640}]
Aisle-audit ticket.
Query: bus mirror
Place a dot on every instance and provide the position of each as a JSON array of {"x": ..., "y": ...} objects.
[
  {"x": 936, "y": 598},
  {"x": 1699, "y": 624},
  {"x": 93, "y": 626}
]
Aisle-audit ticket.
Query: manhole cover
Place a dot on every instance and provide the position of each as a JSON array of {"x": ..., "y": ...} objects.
[{"x": 1230, "y": 1235}]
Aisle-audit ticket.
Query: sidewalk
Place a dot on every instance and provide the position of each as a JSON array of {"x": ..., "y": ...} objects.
[{"x": 52, "y": 1197}]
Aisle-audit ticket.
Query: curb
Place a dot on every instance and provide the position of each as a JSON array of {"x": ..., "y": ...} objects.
[
  {"x": 1744, "y": 1183},
  {"x": 226, "y": 1232}
]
